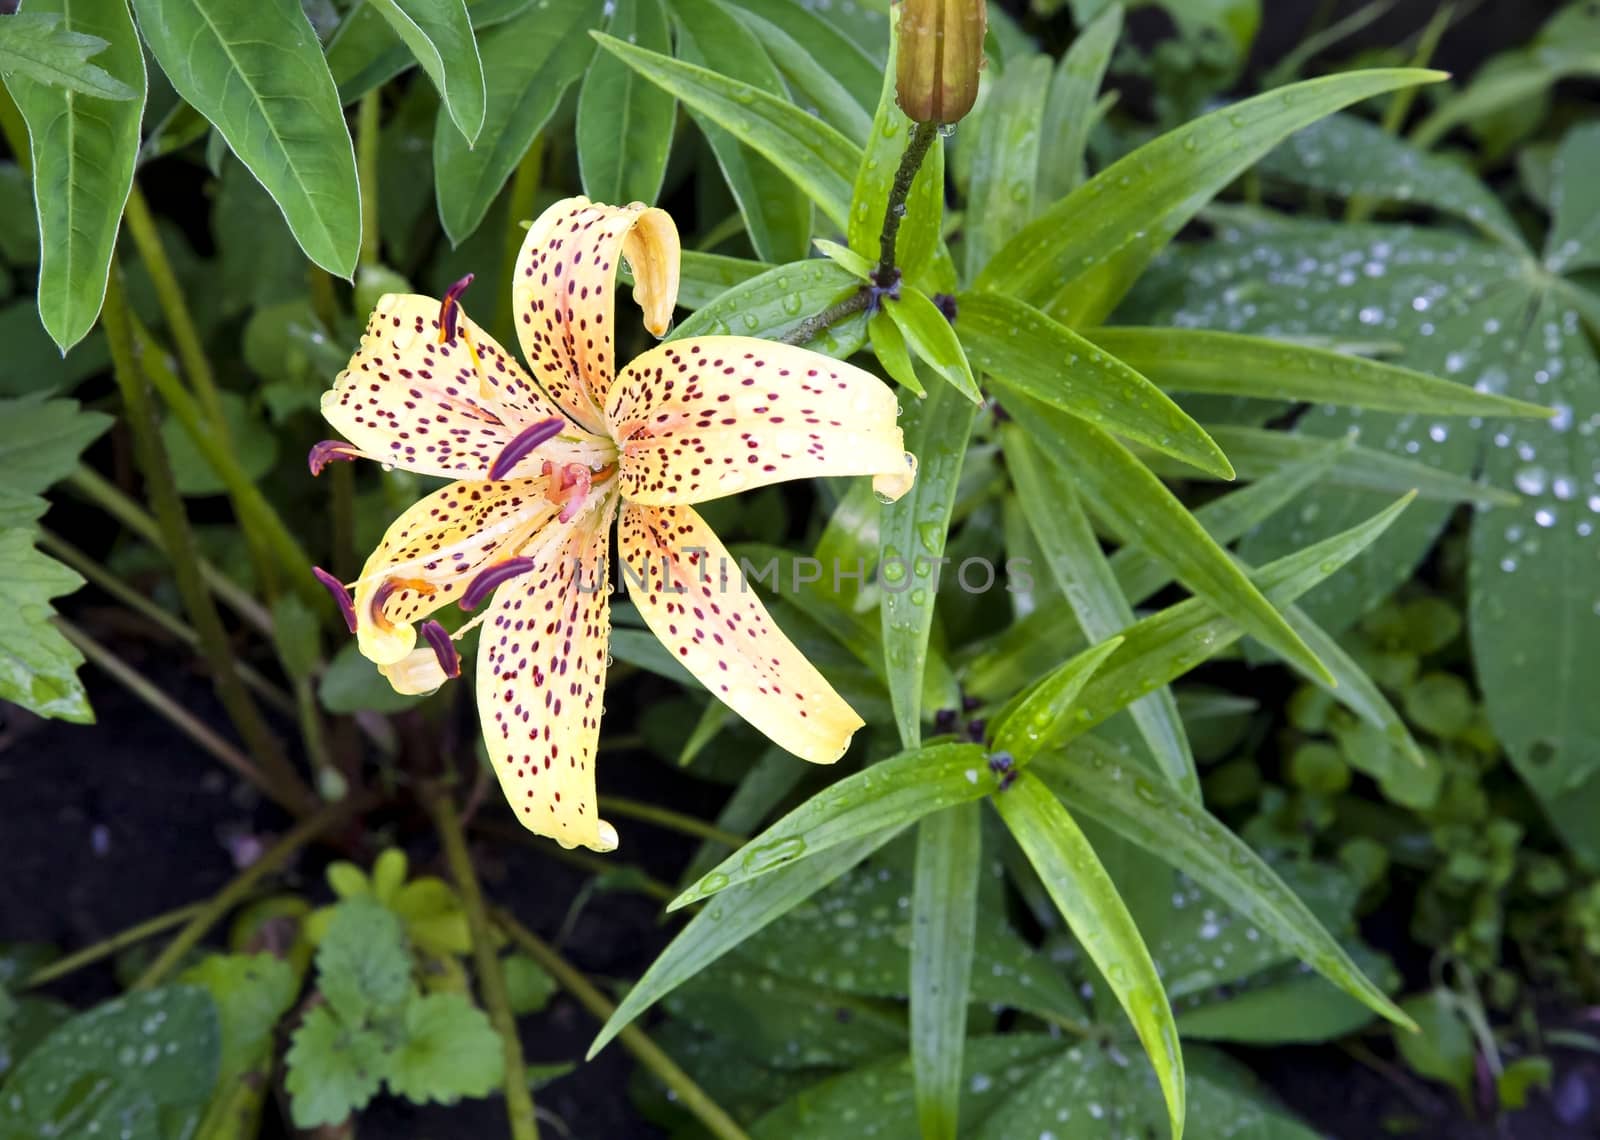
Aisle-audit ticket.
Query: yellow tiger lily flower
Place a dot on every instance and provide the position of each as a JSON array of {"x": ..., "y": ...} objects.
[{"x": 545, "y": 464}]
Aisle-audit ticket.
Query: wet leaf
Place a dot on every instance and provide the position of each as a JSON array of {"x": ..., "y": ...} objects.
[
  {"x": 1069, "y": 107},
  {"x": 625, "y": 123}
]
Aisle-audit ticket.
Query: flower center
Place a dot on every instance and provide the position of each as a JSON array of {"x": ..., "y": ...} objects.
[{"x": 570, "y": 484}]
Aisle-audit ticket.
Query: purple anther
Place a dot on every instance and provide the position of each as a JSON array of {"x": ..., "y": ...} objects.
[
  {"x": 438, "y": 639},
  {"x": 347, "y": 605},
  {"x": 1003, "y": 765},
  {"x": 450, "y": 308},
  {"x": 483, "y": 585},
  {"x": 946, "y": 304},
  {"x": 329, "y": 451},
  {"x": 524, "y": 442}
]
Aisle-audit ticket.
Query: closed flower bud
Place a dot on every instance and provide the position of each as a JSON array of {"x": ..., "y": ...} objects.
[{"x": 941, "y": 57}]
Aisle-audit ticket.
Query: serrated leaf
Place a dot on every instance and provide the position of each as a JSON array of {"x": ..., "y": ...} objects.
[
  {"x": 38, "y": 666},
  {"x": 84, "y": 149},
  {"x": 449, "y": 1051},
  {"x": 439, "y": 34},
  {"x": 257, "y": 72},
  {"x": 362, "y": 965},
  {"x": 39, "y": 46},
  {"x": 944, "y": 912},
  {"x": 624, "y": 123},
  {"x": 1079, "y": 258},
  {"x": 334, "y": 1069}
]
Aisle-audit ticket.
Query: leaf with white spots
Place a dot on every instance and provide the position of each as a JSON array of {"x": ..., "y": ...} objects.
[
  {"x": 1574, "y": 240},
  {"x": 771, "y": 303}
]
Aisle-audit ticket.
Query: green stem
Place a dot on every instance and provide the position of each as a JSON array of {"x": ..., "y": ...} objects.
[
  {"x": 491, "y": 981},
  {"x": 894, "y": 210},
  {"x": 104, "y": 495},
  {"x": 324, "y": 302},
  {"x": 812, "y": 327},
  {"x": 675, "y": 821},
  {"x": 139, "y": 410},
  {"x": 367, "y": 140},
  {"x": 524, "y": 193},
  {"x": 312, "y": 732},
  {"x": 690, "y": 1095},
  {"x": 242, "y": 886},
  {"x": 106, "y": 947},
  {"x": 168, "y": 621}
]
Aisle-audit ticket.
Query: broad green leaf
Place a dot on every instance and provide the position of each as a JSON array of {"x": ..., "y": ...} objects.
[
  {"x": 333, "y": 1069},
  {"x": 528, "y": 63},
  {"x": 927, "y": 330},
  {"x": 777, "y": 215},
  {"x": 40, "y": 46},
  {"x": 251, "y": 992},
  {"x": 731, "y": 919},
  {"x": 41, "y": 440},
  {"x": 1005, "y": 162},
  {"x": 83, "y": 149},
  {"x": 827, "y": 74},
  {"x": 703, "y": 277},
  {"x": 362, "y": 966},
  {"x": 772, "y": 303},
  {"x": 944, "y": 912},
  {"x": 1089, "y": 585},
  {"x": 1443, "y": 1047},
  {"x": 1283, "y": 1007},
  {"x": 1100, "y": 922},
  {"x": 439, "y": 34},
  {"x": 1351, "y": 157},
  {"x": 912, "y": 534},
  {"x": 38, "y": 666},
  {"x": 918, "y": 237},
  {"x": 256, "y": 71},
  {"x": 365, "y": 52},
  {"x": 1027, "y": 352},
  {"x": 625, "y": 124},
  {"x": 1231, "y": 364},
  {"x": 888, "y": 794},
  {"x": 1574, "y": 240},
  {"x": 1141, "y": 509},
  {"x": 140, "y": 1067},
  {"x": 1101, "y": 784},
  {"x": 1069, "y": 107},
  {"x": 817, "y": 158},
  {"x": 1079, "y": 258},
  {"x": 449, "y": 1051},
  {"x": 1041, "y": 717}
]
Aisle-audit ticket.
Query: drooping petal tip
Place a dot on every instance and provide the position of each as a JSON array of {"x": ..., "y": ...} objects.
[{"x": 889, "y": 486}]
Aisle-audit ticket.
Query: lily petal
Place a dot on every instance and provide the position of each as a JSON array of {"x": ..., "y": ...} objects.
[
  {"x": 431, "y": 554},
  {"x": 541, "y": 683},
  {"x": 428, "y": 403},
  {"x": 705, "y": 417},
  {"x": 696, "y": 600},
  {"x": 564, "y": 287}
]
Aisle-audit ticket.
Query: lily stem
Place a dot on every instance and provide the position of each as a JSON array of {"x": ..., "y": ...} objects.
[
  {"x": 106, "y": 947},
  {"x": 675, "y": 821},
  {"x": 491, "y": 981},
  {"x": 812, "y": 327},
  {"x": 690, "y": 1095},
  {"x": 367, "y": 140},
  {"x": 139, "y": 409},
  {"x": 241, "y": 887},
  {"x": 922, "y": 137}
]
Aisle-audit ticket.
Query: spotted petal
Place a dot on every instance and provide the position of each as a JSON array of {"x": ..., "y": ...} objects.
[
  {"x": 705, "y": 417},
  {"x": 438, "y": 405},
  {"x": 564, "y": 290},
  {"x": 541, "y": 681},
  {"x": 432, "y": 553},
  {"x": 695, "y": 598}
]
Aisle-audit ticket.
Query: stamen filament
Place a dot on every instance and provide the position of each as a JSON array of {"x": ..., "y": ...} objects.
[
  {"x": 450, "y": 309},
  {"x": 484, "y": 584},
  {"x": 341, "y": 595},
  {"x": 523, "y": 443}
]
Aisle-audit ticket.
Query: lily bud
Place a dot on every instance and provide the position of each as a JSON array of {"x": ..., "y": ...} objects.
[{"x": 941, "y": 57}]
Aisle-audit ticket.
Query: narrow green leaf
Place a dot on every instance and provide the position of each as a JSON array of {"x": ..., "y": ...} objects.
[
  {"x": 1232, "y": 364},
  {"x": 1005, "y": 161},
  {"x": 817, "y": 158},
  {"x": 772, "y": 303},
  {"x": 257, "y": 72},
  {"x": 1028, "y": 352},
  {"x": 912, "y": 534},
  {"x": 845, "y": 258},
  {"x": 821, "y": 74},
  {"x": 439, "y": 34},
  {"x": 528, "y": 63},
  {"x": 1080, "y": 257},
  {"x": 1144, "y": 512},
  {"x": 46, "y": 50},
  {"x": 84, "y": 149},
  {"x": 927, "y": 330},
  {"x": 890, "y": 793},
  {"x": 1099, "y": 920},
  {"x": 1041, "y": 717},
  {"x": 1069, "y": 108},
  {"x": 944, "y": 914},
  {"x": 889, "y": 346},
  {"x": 1099, "y": 783},
  {"x": 857, "y": 70},
  {"x": 731, "y": 919},
  {"x": 1574, "y": 240},
  {"x": 625, "y": 124}
]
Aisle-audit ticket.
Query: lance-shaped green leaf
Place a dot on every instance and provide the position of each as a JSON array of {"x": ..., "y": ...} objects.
[
  {"x": 439, "y": 35},
  {"x": 625, "y": 123},
  {"x": 918, "y": 238},
  {"x": 817, "y": 158},
  {"x": 927, "y": 330},
  {"x": 772, "y": 303},
  {"x": 1042, "y": 717},
  {"x": 257, "y": 72},
  {"x": 83, "y": 149},
  {"x": 1029, "y": 353},
  {"x": 857, "y": 70},
  {"x": 1005, "y": 160},
  {"x": 831, "y": 86},
  {"x": 777, "y": 215},
  {"x": 41, "y": 46},
  {"x": 1099, "y": 783},
  {"x": 1142, "y": 510},
  {"x": 889, "y": 794},
  {"x": 528, "y": 64},
  {"x": 365, "y": 52},
  {"x": 1099, "y": 920},
  {"x": 1574, "y": 240},
  {"x": 1069, "y": 108},
  {"x": 912, "y": 537},
  {"x": 889, "y": 346},
  {"x": 1233, "y": 364},
  {"x": 944, "y": 915},
  {"x": 1080, "y": 257},
  {"x": 731, "y": 919}
]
